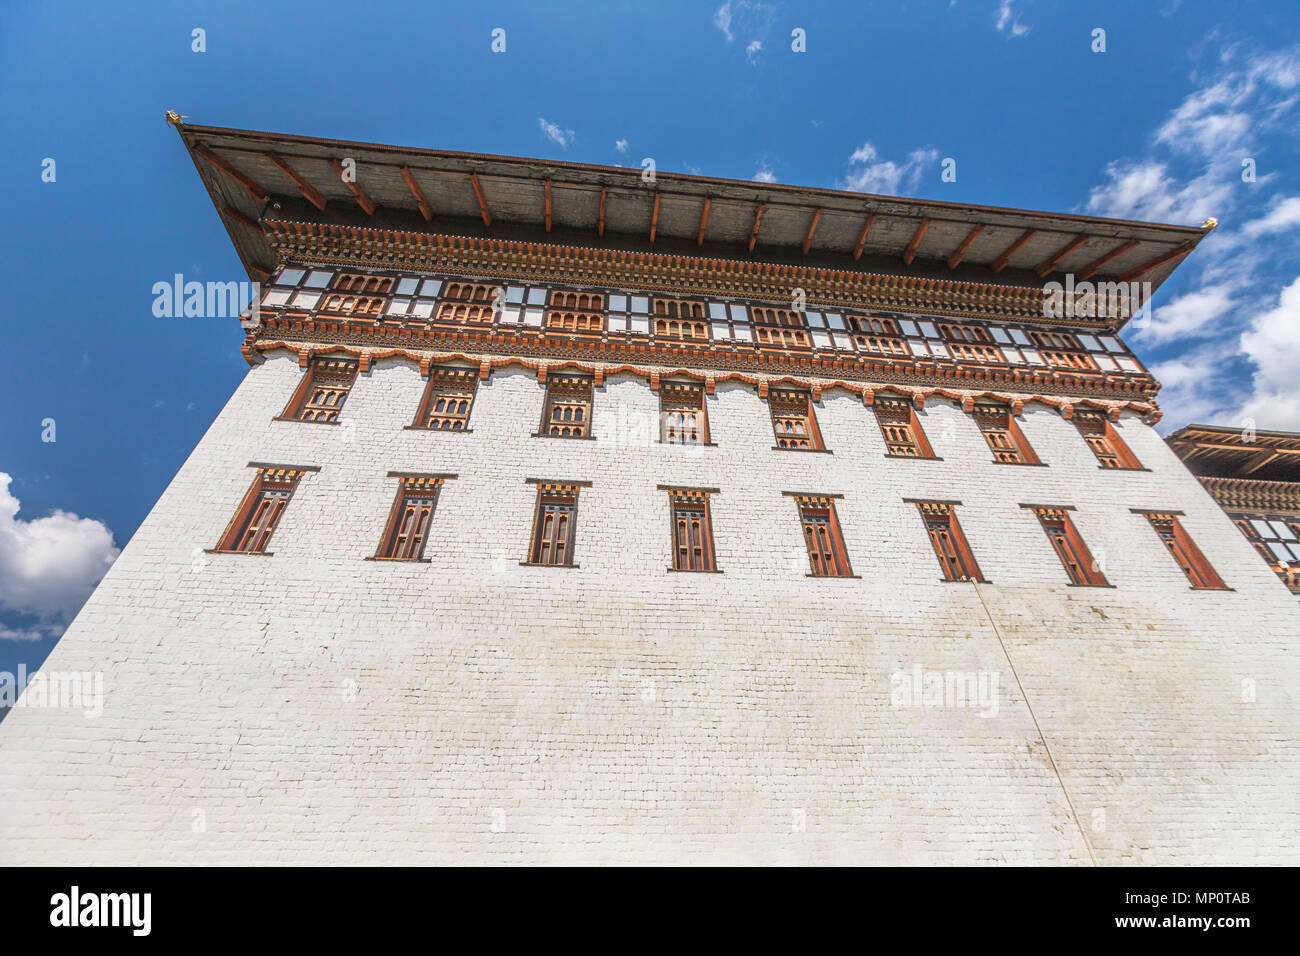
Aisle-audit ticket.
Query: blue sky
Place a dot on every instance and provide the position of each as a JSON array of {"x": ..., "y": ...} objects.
[{"x": 1157, "y": 126}]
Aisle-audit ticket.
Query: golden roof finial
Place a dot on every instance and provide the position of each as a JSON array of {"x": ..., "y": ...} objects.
[
  {"x": 1210, "y": 223},
  {"x": 175, "y": 118}
]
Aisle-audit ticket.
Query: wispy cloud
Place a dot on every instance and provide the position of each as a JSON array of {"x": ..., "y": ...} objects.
[
  {"x": 764, "y": 175},
  {"x": 868, "y": 173},
  {"x": 1007, "y": 21},
  {"x": 722, "y": 20},
  {"x": 745, "y": 18},
  {"x": 561, "y": 137},
  {"x": 621, "y": 145}
]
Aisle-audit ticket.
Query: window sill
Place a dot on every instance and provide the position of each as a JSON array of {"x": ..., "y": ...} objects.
[
  {"x": 1104, "y": 468},
  {"x": 538, "y": 564},
  {"x": 440, "y": 431},
  {"x": 401, "y": 560},
  {"x": 698, "y": 444},
  {"x": 815, "y": 451},
  {"x": 1021, "y": 464},
  {"x": 834, "y": 577},
  {"x": 1225, "y": 588},
  {"x": 965, "y": 581},
  {"x": 565, "y": 437},
  {"x": 302, "y": 421},
  {"x": 914, "y": 457},
  {"x": 1111, "y": 586},
  {"x": 694, "y": 571},
  {"x": 251, "y": 554}
]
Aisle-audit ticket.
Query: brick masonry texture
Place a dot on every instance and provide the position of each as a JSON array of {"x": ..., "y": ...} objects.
[{"x": 317, "y": 707}]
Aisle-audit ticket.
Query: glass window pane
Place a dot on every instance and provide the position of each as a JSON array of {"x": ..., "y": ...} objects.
[
  {"x": 1280, "y": 550},
  {"x": 276, "y": 297},
  {"x": 509, "y": 316},
  {"x": 618, "y": 323},
  {"x": 1000, "y": 335},
  {"x": 929, "y": 331},
  {"x": 1282, "y": 531},
  {"x": 533, "y": 317},
  {"x": 917, "y": 347},
  {"x": 398, "y": 306},
  {"x": 306, "y": 300},
  {"x": 431, "y": 287},
  {"x": 1019, "y": 337},
  {"x": 1112, "y": 344},
  {"x": 1032, "y": 356},
  {"x": 1013, "y": 356},
  {"x": 640, "y": 324},
  {"x": 908, "y": 327},
  {"x": 407, "y": 286},
  {"x": 938, "y": 348},
  {"x": 515, "y": 294},
  {"x": 717, "y": 310},
  {"x": 741, "y": 332},
  {"x": 536, "y": 296},
  {"x": 640, "y": 304},
  {"x": 738, "y": 313},
  {"x": 843, "y": 342},
  {"x": 290, "y": 277},
  {"x": 1126, "y": 363},
  {"x": 835, "y": 320},
  {"x": 1261, "y": 528},
  {"x": 1089, "y": 343},
  {"x": 423, "y": 310},
  {"x": 318, "y": 280},
  {"x": 821, "y": 340},
  {"x": 815, "y": 320},
  {"x": 618, "y": 303},
  {"x": 1105, "y": 362},
  {"x": 721, "y": 330}
]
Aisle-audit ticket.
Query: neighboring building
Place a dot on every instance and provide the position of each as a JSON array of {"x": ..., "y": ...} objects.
[
  {"x": 566, "y": 514},
  {"x": 1255, "y": 478}
]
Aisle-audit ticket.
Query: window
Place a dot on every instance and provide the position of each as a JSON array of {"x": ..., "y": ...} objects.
[
  {"x": 567, "y": 413},
  {"x": 255, "y": 521},
  {"x": 680, "y": 319},
  {"x": 1003, "y": 435},
  {"x": 1185, "y": 552},
  {"x": 323, "y": 391},
  {"x": 793, "y": 420},
  {"x": 629, "y": 313},
  {"x": 1054, "y": 340},
  {"x": 1104, "y": 440},
  {"x": 682, "y": 414},
  {"x": 355, "y": 294},
  {"x": 904, "y": 437},
  {"x": 783, "y": 328},
  {"x": 1072, "y": 360},
  {"x": 692, "y": 528},
  {"x": 576, "y": 312},
  {"x": 821, "y": 532},
  {"x": 557, "y": 509},
  {"x": 475, "y": 303},
  {"x": 448, "y": 398},
  {"x": 1074, "y": 554},
  {"x": 950, "y": 547},
  {"x": 1277, "y": 539},
  {"x": 408, "y": 525},
  {"x": 966, "y": 333}
]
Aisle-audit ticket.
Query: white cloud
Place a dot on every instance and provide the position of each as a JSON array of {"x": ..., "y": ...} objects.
[
  {"x": 753, "y": 50},
  {"x": 764, "y": 175},
  {"x": 1007, "y": 20},
  {"x": 551, "y": 131},
  {"x": 722, "y": 20},
  {"x": 49, "y": 566},
  {"x": 1281, "y": 217},
  {"x": 1273, "y": 344},
  {"x": 870, "y": 174},
  {"x": 1189, "y": 316},
  {"x": 621, "y": 145}
]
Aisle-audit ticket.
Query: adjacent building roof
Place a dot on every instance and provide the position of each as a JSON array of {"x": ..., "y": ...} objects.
[
  {"x": 252, "y": 176},
  {"x": 1219, "y": 451}
]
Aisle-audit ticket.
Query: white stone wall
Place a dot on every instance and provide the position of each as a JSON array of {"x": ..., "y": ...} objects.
[{"x": 314, "y": 706}]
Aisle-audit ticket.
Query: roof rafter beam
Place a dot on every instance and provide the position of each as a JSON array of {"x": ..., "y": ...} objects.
[
  {"x": 600, "y": 222},
  {"x": 309, "y": 192},
  {"x": 812, "y": 228},
  {"x": 1001, "y": 261},
  {"x": 246, "y": 219},
  {"x": 654, "y": 218},
  {"x": 1260, "y": 464},
  {"x": 1048, "y": 264},
  {"x": 704, "y": 220},
  {"x": 548, "y": 205},
  {"x": 1157, "y": 262},
  {"x": 954, "y": 260},
  {"x": 364, "y": 201},
  {"x": 862, "y": 236},
  {"x": 758, "y": 217},
  {"x": 910, "y": 252},
  {"x": 254, "y": 189},
  {"x": 425, "y": 209},
  {"x": 1090, "y": 270},
  {"x": 482, "y": 201}
]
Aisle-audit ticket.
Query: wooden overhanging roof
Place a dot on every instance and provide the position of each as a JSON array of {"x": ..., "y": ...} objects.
[
  {"x": 253, "y": 176},
  {"x": 1224, "y": 452}
]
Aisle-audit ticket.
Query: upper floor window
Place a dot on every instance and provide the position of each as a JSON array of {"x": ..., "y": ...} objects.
[
  {"x": 357, "y": 294},
  {"x": 1185, "y": 552},
  {"x": 567, "y": 412},
  {"x": 871, "y": 325},
  {"x": 1004, "y": 436},
  {"x": 1104, "y": 440},
  {"x": 681, "y": 318},
  {"x": 258, "y": 515},
  {"x": 966, "y": 333},
  {"x": 323, "y": 390},
  {"x": 476, "y": 303},
  {"x": 554, "y": 524},
  {"x": 793, "y": 419},
  {"x": 827, "y": 556},
  {"x": 1055, "y": 340},
  {"x": 692, "y": 528},
  {"x": 949, "y": 543},
  {"x": 904, "y": 437},
  {"x": 1276, "y": 538},
  {"x": 1074, "y": 554},
  {"x": 576, "y": 312},
  {"x": 407, "y": 531},
  {"x": 683, "y": 414},
  {"x": 448, "y": 398}
]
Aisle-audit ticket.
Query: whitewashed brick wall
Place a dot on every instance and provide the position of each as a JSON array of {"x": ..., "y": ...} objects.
[{"x": 314, "y": 706}]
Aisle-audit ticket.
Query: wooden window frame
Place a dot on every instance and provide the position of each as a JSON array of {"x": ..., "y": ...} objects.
[
  {"x": 997, "y": 422},
  {"x": 1200, "y": 573},
  {"x": 956, "y": 561},
  {"x": 889, "y": 411},
  {"x": 463, "y": 303},
  {"x": 830, "y": 547},
  {"x": 324, "y": 373},
  {"x": 456, "y": 382},
  {"x": 410, "y": 488},
  {"x": 1104, "y": 441},
  {"x": 683, "y": 398},
  {"x": 575, "y": 312},
  {"x": 275, "y": 483},
  {"x": 568, "y": 391},
  {"x": 685, "y": 320},
  {"x": 680, "y": 501},
  {"x": 785, "y": 405},
  {"x": 553, "y": 497},
  {"x": 1071, "y": 551},
  {"x": 357, "y": 295}
]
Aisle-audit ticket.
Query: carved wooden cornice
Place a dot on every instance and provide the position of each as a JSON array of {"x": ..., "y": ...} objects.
[
  {"x": 866, "y": 389},
  {"x": 1254, "y": 495},
  {"x": 330, "y": 244}
]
